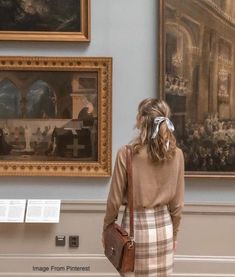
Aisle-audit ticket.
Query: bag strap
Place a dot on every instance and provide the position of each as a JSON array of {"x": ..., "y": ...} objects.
[{"x": 130, "y": 189}]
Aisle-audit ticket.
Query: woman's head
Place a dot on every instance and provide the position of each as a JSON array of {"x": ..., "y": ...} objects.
[
  {"x": 151, "y": 108},
  {"x": 155, "y": 129}
]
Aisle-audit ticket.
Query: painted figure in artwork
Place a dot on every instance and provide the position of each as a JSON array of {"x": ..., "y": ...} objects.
[{"x": 27, "y": 135}]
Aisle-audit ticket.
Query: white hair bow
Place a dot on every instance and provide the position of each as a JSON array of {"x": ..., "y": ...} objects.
[{"x": 157, "y": 122}]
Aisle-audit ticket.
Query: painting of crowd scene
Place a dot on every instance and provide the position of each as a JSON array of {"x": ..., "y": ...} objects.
[
  {"x": 40, "y": 15},
  {"x": 209, "y": 146},
  {"x": 199, "y": 82},
  {"x": 49, "y": 116}
]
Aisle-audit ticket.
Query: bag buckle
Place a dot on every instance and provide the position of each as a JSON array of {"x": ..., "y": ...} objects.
[{"x": 132, "y": 242}]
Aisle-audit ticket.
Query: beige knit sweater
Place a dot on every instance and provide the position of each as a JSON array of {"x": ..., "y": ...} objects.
[{"x": 153, "y": 185}]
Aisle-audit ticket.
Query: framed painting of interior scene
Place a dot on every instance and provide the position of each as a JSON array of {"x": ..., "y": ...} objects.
[
  {"x": 55, "y": 116},
  {"x": 51, "y": 20},
  {"x": 197, "y": 79}
]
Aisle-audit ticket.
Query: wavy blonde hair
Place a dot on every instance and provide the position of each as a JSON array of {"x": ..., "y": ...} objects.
[{"x": 163, "y": 146}]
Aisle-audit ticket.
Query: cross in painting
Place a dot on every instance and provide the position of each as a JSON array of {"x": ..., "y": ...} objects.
[{"x": 75, "y": 147}]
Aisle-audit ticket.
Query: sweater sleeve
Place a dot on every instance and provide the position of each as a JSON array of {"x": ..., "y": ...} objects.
[
  {"x": 117, "y": 188},
  {"x": 177, "y": 202}
]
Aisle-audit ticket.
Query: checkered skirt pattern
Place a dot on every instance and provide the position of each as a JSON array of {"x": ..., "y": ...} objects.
[{"x": 154, "y": 242}]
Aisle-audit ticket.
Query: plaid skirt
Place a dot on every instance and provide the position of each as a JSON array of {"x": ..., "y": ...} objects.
[{"x": 153, "y": 233}]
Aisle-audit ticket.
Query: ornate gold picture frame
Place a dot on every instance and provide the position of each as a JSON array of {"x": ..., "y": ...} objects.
[
  {"x": 54, "y": 20},
  {"x": 55, "y": 116},
  {"x": 196, "y": 78}
]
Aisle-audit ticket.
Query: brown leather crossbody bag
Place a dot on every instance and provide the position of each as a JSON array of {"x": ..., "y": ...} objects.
[{"x": 119, "y": 246}]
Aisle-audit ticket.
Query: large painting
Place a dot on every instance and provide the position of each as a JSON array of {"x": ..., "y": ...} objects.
[
  {"x": 197, "y": 79},
  {"x": 62, "y": 20},
  {"x": 55, "y": 116}
]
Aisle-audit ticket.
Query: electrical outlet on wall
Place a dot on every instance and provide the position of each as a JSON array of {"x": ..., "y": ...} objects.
[
  {"x": 73, "y": 241},
  {"x": 60, "y": 240}
]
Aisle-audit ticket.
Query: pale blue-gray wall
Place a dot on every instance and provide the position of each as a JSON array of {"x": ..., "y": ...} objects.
[{"x": 127, "y": 31}]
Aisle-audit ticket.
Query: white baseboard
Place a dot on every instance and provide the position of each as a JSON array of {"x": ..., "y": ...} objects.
[
  {"x": 185, "y": 266},
  {"x": 204, "y": 266},
  {"x": 201, "y": 275}
]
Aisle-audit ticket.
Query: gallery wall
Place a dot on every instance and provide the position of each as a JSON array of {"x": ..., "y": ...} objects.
[{"x": 127, "y": 31}]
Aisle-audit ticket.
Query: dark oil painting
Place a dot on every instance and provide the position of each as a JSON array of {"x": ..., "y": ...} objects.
[
  {"x": 40, "y": 15},
  {"x": 48, "y": 115},
  {"x": 199, "y": 83}
]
